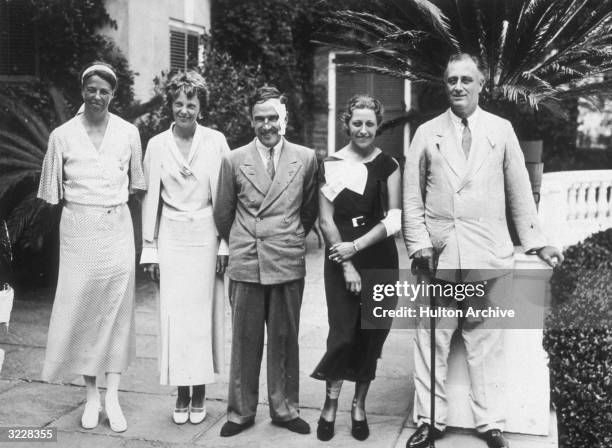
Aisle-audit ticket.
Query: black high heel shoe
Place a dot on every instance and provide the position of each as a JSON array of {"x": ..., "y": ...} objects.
[
  {"x": 325, "y": 429},
  {"x": 360, "y": 429}
]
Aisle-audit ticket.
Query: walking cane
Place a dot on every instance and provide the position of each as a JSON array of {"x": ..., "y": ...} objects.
[
  {"x": 426, "y": 272},
  {"x": 432, "y": 369}
]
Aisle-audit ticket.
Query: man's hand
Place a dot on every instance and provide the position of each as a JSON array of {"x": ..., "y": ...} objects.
[
  {"x": 351, "y": 277},
  {"x": 551, "y": 255},
  {"x": 153, "y": 270},
  {"x": 425, "y": 259},
  {"x": 341, "y": 252},
  {"x": 222, "y": 263}
]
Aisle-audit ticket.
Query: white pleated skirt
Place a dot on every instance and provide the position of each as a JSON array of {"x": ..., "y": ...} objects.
[
  {"x": 190, "y": 302},
  {"x": 91, "y": 331}
]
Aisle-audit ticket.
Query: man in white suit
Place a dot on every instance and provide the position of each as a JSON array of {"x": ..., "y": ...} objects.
[{"x": 461, "y": 169}]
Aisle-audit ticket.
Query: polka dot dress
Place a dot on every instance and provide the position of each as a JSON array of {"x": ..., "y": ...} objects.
[{"x": 91, "y": 331}]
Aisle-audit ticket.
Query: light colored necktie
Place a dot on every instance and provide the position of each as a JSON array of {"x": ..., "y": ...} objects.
[
  {"x": 466, "y": 138},
  {"x": 270, "y": 164}
]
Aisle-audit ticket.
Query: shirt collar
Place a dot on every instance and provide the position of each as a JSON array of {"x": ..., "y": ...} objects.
[
  {"x": 265, "y": 151},
  {"x": 472, "y": 119}
]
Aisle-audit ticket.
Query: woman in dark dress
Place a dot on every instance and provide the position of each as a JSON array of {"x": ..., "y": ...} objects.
[{"x": 359, "y": 213}]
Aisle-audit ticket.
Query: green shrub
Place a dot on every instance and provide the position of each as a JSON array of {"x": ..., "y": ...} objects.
[
  {"x": 592, "y": 253},
  {"x": 578, "y": 339}
]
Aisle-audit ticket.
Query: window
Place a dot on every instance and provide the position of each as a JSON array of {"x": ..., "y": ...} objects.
[
  {"x": 18, "y": 55},
  {"x": 184, "y": 49}
]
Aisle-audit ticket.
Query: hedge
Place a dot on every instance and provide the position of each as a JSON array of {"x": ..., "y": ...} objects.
[{"x": 578, "y": 339}]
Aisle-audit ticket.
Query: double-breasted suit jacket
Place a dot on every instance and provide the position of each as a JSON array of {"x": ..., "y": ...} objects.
[
  {"x": 266, "y": 220},
  {"x": 458, "y": 206}
]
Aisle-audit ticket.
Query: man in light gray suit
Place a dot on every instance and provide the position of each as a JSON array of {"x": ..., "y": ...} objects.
[
  {"x": 266, "y": 204},
  {"x": 461, "y": 169}
]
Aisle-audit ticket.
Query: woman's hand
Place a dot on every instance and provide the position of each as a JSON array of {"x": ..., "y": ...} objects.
[
  {"x": 153, "y": 270},
  {"x": 351, "y": 277},
  {"x": 222, "y": 263},
  {"x": 341, "y": 252}
]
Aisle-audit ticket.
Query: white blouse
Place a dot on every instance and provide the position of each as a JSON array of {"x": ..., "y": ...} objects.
[
  {"x": 74, "y": 170},
  {"x": 186, "y": 183}
]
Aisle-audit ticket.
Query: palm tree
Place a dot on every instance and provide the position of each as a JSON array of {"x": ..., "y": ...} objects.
[
  {"x": 535, "y": 53},
  {"x": 22, "y": 149}
]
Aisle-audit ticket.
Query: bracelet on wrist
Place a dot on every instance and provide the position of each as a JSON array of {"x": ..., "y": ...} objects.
[{"x": 355, "y": 246}]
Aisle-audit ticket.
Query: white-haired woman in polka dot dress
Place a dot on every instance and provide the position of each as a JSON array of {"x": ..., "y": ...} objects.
[{"x": 92, "y": 164}]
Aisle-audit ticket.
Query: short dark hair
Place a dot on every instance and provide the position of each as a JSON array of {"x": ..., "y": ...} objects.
[
  {"x": 189, "y": 82},
  {"x": 362, "y": 101},
  {"x": 100, "y": 73},
  {"x": 266, "y": 93},
  {"x": 461, "y": 57}
]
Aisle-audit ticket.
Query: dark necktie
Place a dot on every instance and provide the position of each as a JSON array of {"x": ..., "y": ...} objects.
[
  {"x": 466, "y": 138},
  {"x": 270, "y": 164}
]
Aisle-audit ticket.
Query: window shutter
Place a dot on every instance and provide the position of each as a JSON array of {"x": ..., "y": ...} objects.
[
  {"x": 390, "y": 91},
  {"x": 177, "y": 50},
  {"x": 17, "y": 40},
  {"x": 348, "y": 83},
  {"x": 184, "y": 49},
  {"x": 193, "y": 44}
]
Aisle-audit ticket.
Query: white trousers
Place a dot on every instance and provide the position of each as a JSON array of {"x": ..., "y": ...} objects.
[{"x": 485, "y": 361}]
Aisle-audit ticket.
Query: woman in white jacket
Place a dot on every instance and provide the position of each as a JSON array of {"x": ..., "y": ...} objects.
[{"x": 181, "y": 247}]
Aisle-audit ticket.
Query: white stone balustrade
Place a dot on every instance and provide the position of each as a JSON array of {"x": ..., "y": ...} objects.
[{"x": 575, "y": 204}]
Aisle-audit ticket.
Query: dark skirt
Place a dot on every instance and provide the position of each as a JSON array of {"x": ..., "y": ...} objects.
[{"x": 352, "y": 353}]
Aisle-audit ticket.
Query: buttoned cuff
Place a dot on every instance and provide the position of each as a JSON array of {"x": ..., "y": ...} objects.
[
  {"x": 223, "y": 247},
  {"x": 149, "y": 255},
  {"x": 418, "y": 248}
]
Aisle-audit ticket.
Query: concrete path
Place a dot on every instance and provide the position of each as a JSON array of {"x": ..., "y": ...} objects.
[{"x": 27, "y": 401}]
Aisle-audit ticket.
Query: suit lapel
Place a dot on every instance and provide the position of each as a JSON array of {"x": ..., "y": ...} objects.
[
  {"x": 288, "y": 166},
  {"x": 252, "y": 167},
  {"x": 446, "y": 142},
  {"x": 482, "y": 145}
]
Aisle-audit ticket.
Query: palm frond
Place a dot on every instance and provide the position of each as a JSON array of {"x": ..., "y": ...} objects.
[
  {"x": 432, "y": 15},
  {"x": 28, "y": 150},
  {"x": 13, "y": 179},
  {"x": 11, "y": 162},
  {"x": 27, "y": 217},
  {"x": 533, "y": 51},
  {"x": 28, "y": 118}
]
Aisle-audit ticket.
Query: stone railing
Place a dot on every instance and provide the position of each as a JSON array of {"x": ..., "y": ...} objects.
[{"x": 575, "y": 204}]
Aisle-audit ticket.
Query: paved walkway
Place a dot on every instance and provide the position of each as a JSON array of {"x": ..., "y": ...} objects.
[{"x": 26, "y": 401}]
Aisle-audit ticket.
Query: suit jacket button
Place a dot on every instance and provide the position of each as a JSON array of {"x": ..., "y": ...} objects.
[{"x": 258, "y": 219}]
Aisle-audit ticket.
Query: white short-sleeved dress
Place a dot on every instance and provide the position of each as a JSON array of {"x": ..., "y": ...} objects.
[
  {"x": 191, "y": 305},
  {"x": 92, "y": 323}
]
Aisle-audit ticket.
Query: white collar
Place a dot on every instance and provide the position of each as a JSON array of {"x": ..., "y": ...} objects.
[
  {"x": 263, "y": 149},
  {"x": 342, "y": 154},
  {"x": 184, "y": 162},
  {"x": 472, "y": 119}
]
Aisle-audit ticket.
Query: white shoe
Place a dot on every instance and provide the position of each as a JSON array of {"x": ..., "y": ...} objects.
[
  {"x": 180, "y": 416},
  {"x": 115, "y": 416},
  {"x": 91, "y": 414},
  {"x": 197, "y": 415}
]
